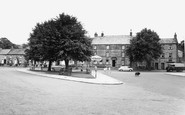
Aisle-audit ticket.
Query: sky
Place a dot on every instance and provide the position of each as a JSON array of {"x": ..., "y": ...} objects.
[{"x": 112, "y": 17}]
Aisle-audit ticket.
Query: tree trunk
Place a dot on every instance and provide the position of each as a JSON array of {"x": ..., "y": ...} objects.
[
  {"x": 67, "y": 63},
  {"x": 149, "y": 65},
  {"x": 49, "y": 67},
  {"x": 76, "y": 66}
]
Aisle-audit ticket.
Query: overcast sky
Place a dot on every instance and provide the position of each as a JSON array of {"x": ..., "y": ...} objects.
[{"x": 113, "y": 17}]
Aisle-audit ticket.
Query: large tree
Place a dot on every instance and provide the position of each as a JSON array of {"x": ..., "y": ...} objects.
[
  {"x": 145, "y": 47},
  {"x": 73, "y": 42},
  {"x": 62, "y": 38}
]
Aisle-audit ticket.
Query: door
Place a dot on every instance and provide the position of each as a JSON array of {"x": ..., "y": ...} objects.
[
  {"x": 113, "y": 63},
  {"x": 156, "y": 66},
  {"x": 162, "y": 66}
]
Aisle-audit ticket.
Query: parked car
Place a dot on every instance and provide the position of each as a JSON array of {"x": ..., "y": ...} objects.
[
  {"x": 57, "y": 68},
  {"x": 125, "y": 68}
]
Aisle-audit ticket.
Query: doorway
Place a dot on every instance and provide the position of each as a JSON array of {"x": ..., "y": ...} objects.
[
  {"x": 162, "y": 66},
  {"x": 156, "y": 66},
  {"x": 113, "y": 63}
]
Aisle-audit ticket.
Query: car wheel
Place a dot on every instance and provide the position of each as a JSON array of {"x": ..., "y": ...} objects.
[
  {"x": 130, "y": 70},
  {"x": 53, "y": 69}
]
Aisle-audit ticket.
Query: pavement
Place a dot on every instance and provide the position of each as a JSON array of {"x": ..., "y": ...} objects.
[
  {"x": 101, "y": 79},
  {"x": 177, "y": 74}
]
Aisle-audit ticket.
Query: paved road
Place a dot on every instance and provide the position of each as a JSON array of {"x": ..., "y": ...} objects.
[
  {"x": 157, "y": 82},
  {"x": 26, "y": 94}
]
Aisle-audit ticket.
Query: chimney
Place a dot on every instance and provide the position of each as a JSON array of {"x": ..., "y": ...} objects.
[
  {"x": 102, "y": 34},
  {"x": 175, "y": 36},
  {"x": 130, "y": 32},
  {"x": 95, "y": 34}
]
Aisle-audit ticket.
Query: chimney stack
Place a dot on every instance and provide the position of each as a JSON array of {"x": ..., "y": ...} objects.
[
  {"x": 102, "y": 34},
  {"x": 130, "y": 32},
  {"x": 95, "y": 34},
  {"x": 175, "y": 36}
]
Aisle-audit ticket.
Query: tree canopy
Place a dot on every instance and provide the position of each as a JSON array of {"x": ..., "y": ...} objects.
[
  {"x": 61, "y": 38},
  {"x": 6, "y": 44},
  {"x": 181, "y": 46},
  {"x": 145, "y": 47}
]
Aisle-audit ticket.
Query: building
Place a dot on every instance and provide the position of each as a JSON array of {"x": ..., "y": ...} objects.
[
  {"x": 12, "y": 56},
  {"x": 111, "y": 49},
  {"x": 3, "y": 55},
  {"x": 170, "y": 53}
]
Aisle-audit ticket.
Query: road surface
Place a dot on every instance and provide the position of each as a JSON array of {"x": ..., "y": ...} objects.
[{"x": 26, "y": 94}]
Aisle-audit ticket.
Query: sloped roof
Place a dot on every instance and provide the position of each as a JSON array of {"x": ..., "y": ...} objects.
[
  {"x": 4, "y": 51},
  {"x": 167, "y": 40},
  {"x": 17, "y": 51},
  {"x": 113, "y": 39}
]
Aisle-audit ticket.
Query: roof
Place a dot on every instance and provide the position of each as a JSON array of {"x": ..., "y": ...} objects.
[
  {"x": 113, "y": 39},
  {"x": 17, "y": 51},
  {"x": 167, "y": 40},
  {"x": 4, "y": 51}
]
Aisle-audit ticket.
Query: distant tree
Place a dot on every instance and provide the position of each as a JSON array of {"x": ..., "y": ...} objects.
[
  {"x": 181, "y": 46},
  {"x": 62, "y": 38},
  {"x": 145, "y": 47},
  {"x": 24, "y": 45},
  {"x": 7, "y": 44}
]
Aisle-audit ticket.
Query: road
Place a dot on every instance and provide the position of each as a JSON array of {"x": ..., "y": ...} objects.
[
  {"x": 26, "y": 94},
  {"x": 157, "y": 82}
]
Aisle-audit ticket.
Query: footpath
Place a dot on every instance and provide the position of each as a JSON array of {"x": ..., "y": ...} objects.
[
  {"x": 101, "y": 79},
  {"x": 177, "y": 74}
]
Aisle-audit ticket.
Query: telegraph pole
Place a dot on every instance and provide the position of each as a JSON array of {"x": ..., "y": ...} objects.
[{"x": 184, "y": 52}]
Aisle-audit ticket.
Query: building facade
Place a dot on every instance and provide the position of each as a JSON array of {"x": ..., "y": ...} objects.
[
  {"x": 112, "y": 50},
  {"x": 12, "y": 57},
  {"x": 170, "y": 53}
]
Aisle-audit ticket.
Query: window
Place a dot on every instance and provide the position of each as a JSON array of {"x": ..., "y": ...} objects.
[
  {"x": 163, "y": 55},
  {"x": 170, "y": 54},
  {"x": 107, "y": 61},
  {"x": 108, "y": 47},
  {"x": 123, "y": 62},
  {"x": 107, "y": 54},
  {"x": 170, "y": 60},
  {"x": 100, "y": 61},
  {"x": 162, "y": 47},
  {"x": 123, "y": 47},
  {"x": 94, "y": 47},
  {"x": 123, "y": 54},
  {"x": 170, "y": 47}
]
